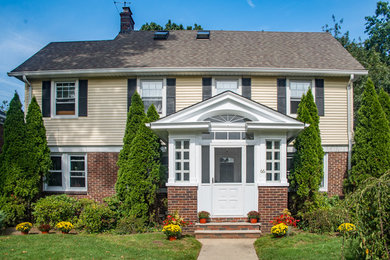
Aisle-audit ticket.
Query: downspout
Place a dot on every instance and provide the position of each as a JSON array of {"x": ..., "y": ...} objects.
[
  {"x": 350, "y": 118},
  {"x": 29, "y": 89}
]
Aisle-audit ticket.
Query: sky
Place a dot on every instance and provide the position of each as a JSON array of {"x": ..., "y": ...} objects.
[{"x": 26, "y": 26}]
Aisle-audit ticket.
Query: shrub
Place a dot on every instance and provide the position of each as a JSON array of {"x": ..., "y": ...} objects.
[
  {"x": 97, "y": 218},
  {"x": 2, "y": 219},
  {"x": 130, "y": 225},
  {"x": 14, "y": 209},
  {"x": 55, "y": 208}
]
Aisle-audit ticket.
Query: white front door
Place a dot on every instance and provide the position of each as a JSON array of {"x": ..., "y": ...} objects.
[{"x": 227, "y": 187}]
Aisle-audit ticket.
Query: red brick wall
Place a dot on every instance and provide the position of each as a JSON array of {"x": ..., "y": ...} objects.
[
  {"x": 272, "y": 201},
  {"x": 337, "y": 172},
  {"x": 184, "y": 199},
  {"x": 102, "y": 174}
]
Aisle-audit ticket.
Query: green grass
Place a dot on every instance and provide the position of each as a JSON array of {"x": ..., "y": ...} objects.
[
  {"x": 58, "y": 246},
  {"x": 300, "y": 246}
]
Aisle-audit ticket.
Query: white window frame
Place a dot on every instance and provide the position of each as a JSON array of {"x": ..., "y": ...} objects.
[
  {"x": 324, "y": 181},
  {"x": 273, "y": 160},
  {"x": 182, "y": 171},
  {"x": 214, "y": 84},
  {"x": 54, "y": 99},
  {"x": 288, "y": 92},
  {"x": 163, "y": 90},
  {"x": 65, "y": 168}
]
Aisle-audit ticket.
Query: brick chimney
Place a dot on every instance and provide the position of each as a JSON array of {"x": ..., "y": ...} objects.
[{"x": 127, "y": 22}]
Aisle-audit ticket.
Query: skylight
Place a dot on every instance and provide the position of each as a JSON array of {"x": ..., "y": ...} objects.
[
  {"x": 203, "y": 35},
  {"x": 161, "y": 35}
]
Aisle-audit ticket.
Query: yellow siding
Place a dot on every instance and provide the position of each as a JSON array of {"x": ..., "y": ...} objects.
[
  {"x": 105, "y": 124},
  {"x": 264, "y": 91},
  {"x": 188, "y": 91},
  {"x": 107, "y": 105},
  {"x": 333, "y": 125}
]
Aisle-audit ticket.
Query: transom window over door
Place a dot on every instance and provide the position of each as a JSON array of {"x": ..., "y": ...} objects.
[
  {"x": 297, "y": 89},
  {"x": 152, "y": 93},
  {"x": 65, "y": 98},
  {"x": 226, "y": 85}
]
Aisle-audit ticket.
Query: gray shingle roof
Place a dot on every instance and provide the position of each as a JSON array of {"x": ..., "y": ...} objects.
[{"x": 231, "y": 49}]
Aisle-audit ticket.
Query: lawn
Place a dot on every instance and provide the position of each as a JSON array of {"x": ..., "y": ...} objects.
[
  {"x": 59, "y": 246},
  {"x": 299, "y": 246}
]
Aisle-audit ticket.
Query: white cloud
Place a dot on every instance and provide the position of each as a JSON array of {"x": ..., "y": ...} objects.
[{"x": 250, "y": 3}]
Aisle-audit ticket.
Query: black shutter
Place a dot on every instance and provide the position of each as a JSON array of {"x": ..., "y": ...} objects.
[
  {"x": 131, "y": 88},
  {"x": 281, "y": 83},
  {"x": 247, "y": 87},
  {"x": 320, "y": 99},
  {"x": 171, "y": 96},
  {"x": 46, "y": 95},
  {"x": 83, "y": 97},
  {"x": 206, "y": 91}
]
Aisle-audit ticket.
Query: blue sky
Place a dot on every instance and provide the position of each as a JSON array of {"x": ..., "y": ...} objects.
[{"x": 26, "y": 26}]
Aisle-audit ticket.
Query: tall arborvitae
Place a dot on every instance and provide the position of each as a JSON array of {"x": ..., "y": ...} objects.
[
  {"x": 384, "y": 100},
  {"x": 371, "y": 151},
  {"x": 15, "y": 156},
  {"x": 40, "y": 153},
  {"x": 305, "y": 178},
  {"x": 135, "y": 117}
]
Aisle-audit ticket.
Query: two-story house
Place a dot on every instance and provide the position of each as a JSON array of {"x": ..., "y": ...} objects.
[{"x": 228, "y": 102}]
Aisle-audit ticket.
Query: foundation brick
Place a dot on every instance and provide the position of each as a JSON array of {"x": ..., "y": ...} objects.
[{"x": 337, "y": 172}]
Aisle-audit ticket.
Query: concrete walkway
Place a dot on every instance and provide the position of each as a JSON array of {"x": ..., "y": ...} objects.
[{"x": 227, "y": 249}]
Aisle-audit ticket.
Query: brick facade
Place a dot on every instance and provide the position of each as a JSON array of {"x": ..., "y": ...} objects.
[
  {"x": 337, "y": 172},
  {"x": 185, "y": 200},
  {"x": 102, "y": 174},
  {"x": 272, "y": 201}
]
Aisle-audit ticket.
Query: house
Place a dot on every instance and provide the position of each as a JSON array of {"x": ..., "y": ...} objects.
[{"x": 228, "y": 102}]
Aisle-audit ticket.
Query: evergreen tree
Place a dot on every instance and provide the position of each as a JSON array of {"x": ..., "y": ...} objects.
[
  {"x": 152, "y": 114},
  {"x": 143, "y": 174},
  {"x": 305, "y": 178},
  {"x": 384, "y": 100},
  {"x": 135, "y": 117},
  {"x": 371, "y": 151},
  {"x": 39, "y": 151}
]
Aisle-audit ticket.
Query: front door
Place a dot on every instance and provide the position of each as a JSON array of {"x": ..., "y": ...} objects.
[{"x": 227, "y": 182}]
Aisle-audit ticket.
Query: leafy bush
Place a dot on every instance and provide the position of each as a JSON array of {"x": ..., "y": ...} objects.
[
  {"x": 14, "y": 209},
  {"x": 324, "y": 220},
  {"x": 97, "y": 218},
  {"x": 54, "y": 209},
  {"x": 2, "y": 219},
  {"x": 130, "y": 225}
]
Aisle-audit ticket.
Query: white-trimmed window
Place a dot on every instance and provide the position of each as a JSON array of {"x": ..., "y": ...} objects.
[
  {"x": 222, "y": 85},
  {"x": 273, "y": 160},
  {"x": 295, "y": 91},
  {"x": 324, "y": 181},
  {"x": 151, "y": 92},
  {"x": 68, "y": 173},
  {"x": 182, "y": 160},
  {"x": 65, "y": 98}
]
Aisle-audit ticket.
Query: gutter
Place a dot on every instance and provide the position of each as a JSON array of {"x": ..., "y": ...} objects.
[
  {"x": 187, "y": 71},
  {"x": 29, "y": 88},
  {"x": 349, "y": 119}
]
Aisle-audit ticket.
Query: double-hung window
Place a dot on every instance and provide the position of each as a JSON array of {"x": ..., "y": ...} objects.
[
  {"x": 297, "y": 89},
  {"x": 65, "y": 98},
  {"x": 68, "y": 173},
  {"x": 182, "y": 160},
  {"x": 152, "y": 93},
  {"x": 273, "y": 160}
]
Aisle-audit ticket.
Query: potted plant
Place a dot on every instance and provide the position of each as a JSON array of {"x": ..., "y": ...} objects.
[
  {"x": 24, "y": 227},
  {"x": 253, "y": 216},
  {"x": 64, "y": 227},
  {"x": 44, "y": 228},
  {"x": 203, "y": 216},
  {"x": 172, "y": 231}
]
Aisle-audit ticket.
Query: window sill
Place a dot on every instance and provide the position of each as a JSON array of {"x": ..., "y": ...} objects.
[{"x": 66, "y": 192}]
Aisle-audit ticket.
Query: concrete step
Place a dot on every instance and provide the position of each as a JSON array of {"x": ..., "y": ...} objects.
[
  {"x": 199, "y": 234},
  {"x": 227, "y": 226}
]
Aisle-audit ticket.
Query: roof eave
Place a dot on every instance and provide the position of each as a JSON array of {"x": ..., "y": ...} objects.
[{"x": 187, "y": 71}]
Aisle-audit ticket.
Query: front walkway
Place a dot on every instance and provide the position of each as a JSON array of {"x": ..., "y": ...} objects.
[{"x": 227, "y": 249}]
